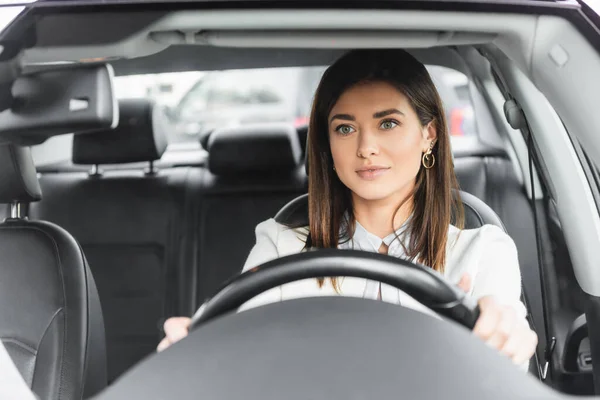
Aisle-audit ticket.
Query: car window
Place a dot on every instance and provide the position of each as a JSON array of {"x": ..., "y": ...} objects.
[
  {"x": 220, "y": 98},
  {"x": 200, "y": 103}
]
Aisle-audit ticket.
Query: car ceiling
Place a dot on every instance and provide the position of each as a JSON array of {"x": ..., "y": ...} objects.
[{"x": 157, "y": 41}]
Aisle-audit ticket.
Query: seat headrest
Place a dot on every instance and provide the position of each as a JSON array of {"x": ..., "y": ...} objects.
[
  {"x": 140, "y": 136},
  {"x": 18, "y": 177},
  {"x": 477, "y": 213},
  {"x": 272, "y": 148}
]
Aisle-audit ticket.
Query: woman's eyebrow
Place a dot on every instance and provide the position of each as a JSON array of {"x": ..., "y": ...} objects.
[
  {"x": 346, "y": 117},
  {"x": 385, "y": 113}
]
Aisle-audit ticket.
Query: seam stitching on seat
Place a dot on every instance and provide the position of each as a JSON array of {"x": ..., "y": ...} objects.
[
  {"x": 89, "y": 313},
  {"x": 481, "y": 221},
  {"x": 20, "y": 344},
  {"x": 42, "y": 339}
]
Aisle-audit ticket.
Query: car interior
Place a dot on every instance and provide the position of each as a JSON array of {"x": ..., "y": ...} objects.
[{"x": 140, "y": 229}]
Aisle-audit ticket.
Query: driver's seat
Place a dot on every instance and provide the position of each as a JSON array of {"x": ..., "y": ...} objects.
[{"x": 477, "y": 214}]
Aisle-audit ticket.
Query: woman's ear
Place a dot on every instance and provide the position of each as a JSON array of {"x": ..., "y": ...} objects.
[{"x": 429, "y": 136}]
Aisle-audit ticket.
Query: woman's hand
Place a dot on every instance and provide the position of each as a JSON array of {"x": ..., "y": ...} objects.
[
  {"x": 501, "y": 328},
  {"x": 176, "y": 328}
]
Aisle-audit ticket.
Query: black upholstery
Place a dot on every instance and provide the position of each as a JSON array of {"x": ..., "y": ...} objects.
[
  {"x": 50, "y": 317},
  {"x": 494, "y": 180},
  {"x": 229, "y": 210},
  {"x": 253, "y": 171},
  {"x": 18, "y": 180},
  {"x": 149, "y": 237},
  {"x": 140, "y": 136},
  {"x": 272, "y": 148},
  {"x": 132, "y": 226}
]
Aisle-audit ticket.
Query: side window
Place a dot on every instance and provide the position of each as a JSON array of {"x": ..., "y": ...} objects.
[{"x": 453, "y": 87}]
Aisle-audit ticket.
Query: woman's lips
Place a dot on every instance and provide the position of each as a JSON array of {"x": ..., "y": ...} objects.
[{"x": 372, "y": 173}]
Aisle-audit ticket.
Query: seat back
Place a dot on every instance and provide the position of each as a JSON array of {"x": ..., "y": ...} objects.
[
  {"x": 130, "y": 223},
  {"x": 50, "y": 318}
]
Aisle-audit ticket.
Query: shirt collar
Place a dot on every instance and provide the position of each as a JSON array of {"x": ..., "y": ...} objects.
[{"x": 364, "y": 237}]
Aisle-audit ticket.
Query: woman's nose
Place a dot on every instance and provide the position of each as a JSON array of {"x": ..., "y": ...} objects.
[{"x": 367, "y": 145}]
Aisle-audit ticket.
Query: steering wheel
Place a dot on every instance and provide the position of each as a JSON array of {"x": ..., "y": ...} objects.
[{"x": 423, "y": 284}]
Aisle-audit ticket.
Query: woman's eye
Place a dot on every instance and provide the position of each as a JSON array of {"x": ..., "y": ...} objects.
[
  {"x": 345, "y": 129},
  {"x": 388, "y": 125}
]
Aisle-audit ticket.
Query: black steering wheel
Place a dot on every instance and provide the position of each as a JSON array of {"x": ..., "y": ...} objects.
[{"x": 423, "y": 284}]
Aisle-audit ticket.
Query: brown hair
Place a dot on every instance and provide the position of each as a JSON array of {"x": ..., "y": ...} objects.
[{"x": 435, "y": 204}]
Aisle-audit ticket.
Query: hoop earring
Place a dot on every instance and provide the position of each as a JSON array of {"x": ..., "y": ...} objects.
[{"x": 428, "y": 160}]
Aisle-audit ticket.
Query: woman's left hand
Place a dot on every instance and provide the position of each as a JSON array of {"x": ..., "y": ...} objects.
[{"x": 502, "y": 328}]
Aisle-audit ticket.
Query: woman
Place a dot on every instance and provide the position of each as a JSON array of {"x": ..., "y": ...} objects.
[{"x": 381, "y": 179}]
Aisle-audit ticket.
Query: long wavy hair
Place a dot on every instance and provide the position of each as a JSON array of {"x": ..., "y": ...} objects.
[{"x": 434, "y": 203}]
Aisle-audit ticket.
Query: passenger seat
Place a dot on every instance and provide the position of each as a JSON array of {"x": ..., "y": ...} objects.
[{"x": 131, "y": 225}]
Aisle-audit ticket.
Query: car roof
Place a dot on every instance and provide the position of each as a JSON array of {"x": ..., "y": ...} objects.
[{"x": 152, "y": 39}]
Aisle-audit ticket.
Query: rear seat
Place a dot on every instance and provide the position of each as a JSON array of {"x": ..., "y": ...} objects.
[
  {"x": 253, "y": 171},
  {"x": 132, "y": 225}
]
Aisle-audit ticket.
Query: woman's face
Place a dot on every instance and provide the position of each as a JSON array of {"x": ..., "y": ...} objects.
[{"x": 377, "y": 142}]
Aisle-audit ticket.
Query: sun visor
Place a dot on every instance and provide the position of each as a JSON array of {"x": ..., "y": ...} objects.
[{"x": 50, "y": 103}]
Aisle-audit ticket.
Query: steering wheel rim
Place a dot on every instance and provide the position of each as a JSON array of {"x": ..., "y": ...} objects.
[{"x": 424, "y": 284}]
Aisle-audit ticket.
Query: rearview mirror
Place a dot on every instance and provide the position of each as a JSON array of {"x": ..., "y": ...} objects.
[{"x": 50, "y": 103}]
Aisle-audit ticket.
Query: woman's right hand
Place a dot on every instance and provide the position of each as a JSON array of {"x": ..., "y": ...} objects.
[{"x": 176, "y": 328}]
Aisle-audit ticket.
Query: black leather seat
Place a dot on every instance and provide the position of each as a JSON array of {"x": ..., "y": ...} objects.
[
  {"x": 50, "y": 317},
  {"x": 132, "y": 224},
  {"x": 253, "y": 171}
]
